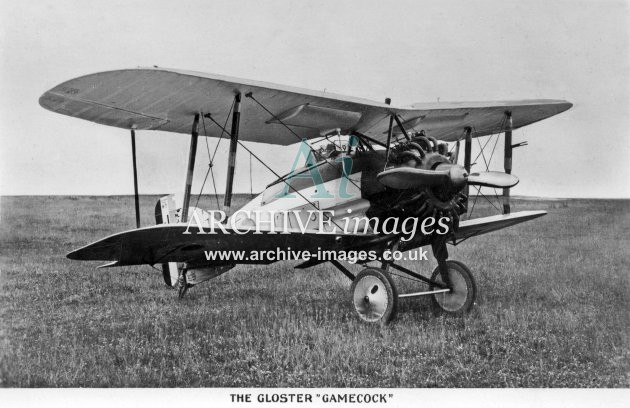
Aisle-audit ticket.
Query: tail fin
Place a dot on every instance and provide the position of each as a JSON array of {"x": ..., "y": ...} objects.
[{"x": 166, "y": 213}]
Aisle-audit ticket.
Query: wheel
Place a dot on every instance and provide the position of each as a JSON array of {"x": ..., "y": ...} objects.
[
  {"x": 464, "y": 290},
  {"x": 374, "y": 296}
]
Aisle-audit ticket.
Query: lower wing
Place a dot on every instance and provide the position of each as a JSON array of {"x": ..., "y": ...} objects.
[
  {"x": 170, "y": 243},
  {"x": 480, "y": 226}
]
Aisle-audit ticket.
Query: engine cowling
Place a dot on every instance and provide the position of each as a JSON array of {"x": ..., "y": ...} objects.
[{"x": 422, "y": 182}]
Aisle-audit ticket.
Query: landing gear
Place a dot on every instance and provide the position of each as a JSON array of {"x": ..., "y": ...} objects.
[
  {"x": 182, "y": 284},
  {"x": 457, "y": 278},
  {"x": 463, "y": 290},
  {"x": 374, "y": 296}
]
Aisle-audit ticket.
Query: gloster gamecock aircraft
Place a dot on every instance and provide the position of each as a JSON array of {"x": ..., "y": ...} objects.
[{"x": 399, "y": 163}]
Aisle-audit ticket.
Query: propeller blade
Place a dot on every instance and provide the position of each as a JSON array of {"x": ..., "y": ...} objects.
[
  {"x": 402, "y": 178},
  {"x": 495, "y": 179}
]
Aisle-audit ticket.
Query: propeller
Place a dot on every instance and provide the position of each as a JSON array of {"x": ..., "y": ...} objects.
[
  {"x": 403, "y": 178},
  {"x": 495, "y": 179}
]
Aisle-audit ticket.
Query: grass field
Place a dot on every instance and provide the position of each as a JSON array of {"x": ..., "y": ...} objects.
[{"x": 553, "y": 311}]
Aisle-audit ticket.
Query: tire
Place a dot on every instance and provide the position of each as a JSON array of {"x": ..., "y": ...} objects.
[
  {"x": 374, "y": 296},
  {"x": 462, "y": 299}
]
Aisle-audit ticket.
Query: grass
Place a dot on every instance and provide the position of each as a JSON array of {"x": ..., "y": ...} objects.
[{"x": 552, "y": 311}]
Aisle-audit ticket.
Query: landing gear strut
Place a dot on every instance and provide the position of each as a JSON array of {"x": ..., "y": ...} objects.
[{"x": 182, "y": 283}]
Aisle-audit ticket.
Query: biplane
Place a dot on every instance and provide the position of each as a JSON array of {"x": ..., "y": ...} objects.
[{"x": 399, "y": 162}]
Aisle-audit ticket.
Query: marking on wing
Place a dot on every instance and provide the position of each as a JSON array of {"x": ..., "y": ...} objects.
[{"x": 65, "y": 98}]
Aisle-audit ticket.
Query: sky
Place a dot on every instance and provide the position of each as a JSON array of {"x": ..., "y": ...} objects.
[{"x": 410, "y": 51}]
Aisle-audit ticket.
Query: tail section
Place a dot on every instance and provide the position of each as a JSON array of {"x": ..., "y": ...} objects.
[{"x": 166, "y": 213}]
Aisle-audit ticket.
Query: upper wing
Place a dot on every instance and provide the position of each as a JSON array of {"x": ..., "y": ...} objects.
[
  {"x": 166, "y": 99},
  {"x": 448, "y": 120}
]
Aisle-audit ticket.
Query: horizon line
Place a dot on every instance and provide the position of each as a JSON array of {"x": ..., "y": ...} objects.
[{"x": 255, "y": 194}]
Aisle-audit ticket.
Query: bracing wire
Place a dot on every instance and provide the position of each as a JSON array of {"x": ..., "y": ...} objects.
[
  {"x": 203, "y": 184},
  {"x": 488, "y": 162},
  {"x": 214, "y": 186},
  {"x": 275, "y": 173},
  {"x": 347, "y": 176},
  {"x": 486, "y": 197},
  {"x": 211, "y": 158},
  {"x": 492, "y": 154}
]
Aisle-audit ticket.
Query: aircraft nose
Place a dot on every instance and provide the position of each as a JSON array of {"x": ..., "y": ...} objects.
[{"x": 458, "y": 176}]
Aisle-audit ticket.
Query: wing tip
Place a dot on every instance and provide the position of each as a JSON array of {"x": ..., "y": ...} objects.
[
  {"x": 103, "y": 250},
  {"x": 565, "y": 105},
  {"x": 77, "y": 255},
  {"x": 45, "y": 101}
]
